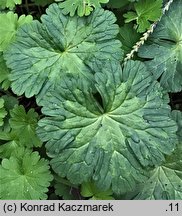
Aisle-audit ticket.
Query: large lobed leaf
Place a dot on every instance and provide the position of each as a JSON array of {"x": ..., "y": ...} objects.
[
  {"x": 60, "y": 44},
  {"x": 164, "y": 52},
  {"x": 110, "y": 138},
  {"x": 26, "y": 172},
  {"x": 165, "y": 181}
]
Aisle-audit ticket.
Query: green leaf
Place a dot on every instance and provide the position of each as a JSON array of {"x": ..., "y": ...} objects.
[
  {"x": 165, "y": 49},
  {"x": 4, "y": 72},
  {"x": 103, "y": 134},
  {"x": 165, "y": 181},
  {"x": 128, "y": 36},
  {"x": 2, "y": 111},
  {"x": 24, "y": 176},
  {"x": 177, "y": 116},
  {"x": 83, "y": 7},
  {"x": 9, "y": 103},
  {"x": 10, "y": 23},
  {"x": 63, "y": 191},
  {"x": 9, "y": 142},
  {"x": 146, "y": 11},
  {"x": 9, "y": 3},
  {"x": 61, "y": 44},
  {"x": 64, "y": 188},
  {"x": 24, "y": 125},
  {"x": 90, "y": 190}
]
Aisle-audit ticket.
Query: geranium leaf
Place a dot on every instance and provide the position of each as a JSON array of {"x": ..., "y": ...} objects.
[
  {"x": 128, "y": 36},
  {"x": 9, "y": 142},
  {"x": 101, "y": 139},
  {"x": 24, "y": 125},
  {"x": 9, "y": 3},
  {"x": 91, "y": 191},
  {"x": 83, "y": 7},
  {"x": 165, "y": 181},
  {"x": 2, "y": 111},
  {"x": 164, "y": 49},
  {"x": 10, "y": 23},
  {"x": 27, "y": 172},
  {"x": 4, "y": 72},
  {"x": 9, "y": 103},
  {"x": 146, "y": 10},
  {"x": 60, "y": 44}
]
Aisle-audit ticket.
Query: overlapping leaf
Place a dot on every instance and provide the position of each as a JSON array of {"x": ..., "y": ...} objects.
[
  {"x": 10, "y": 23},
  {"x": 9, "y": 142},
  {"x": 60, "y": 44},
  {"x": 82, "y": 7},
  {"x": 24, "y": 176},
  {"x": 106, "y": 139},
  {"x": 128, "y": 36},
  {"x": 24, "y": 124},
  {"x": 4, "y": 72},
  {"x": 2, "y": 111},
  {"x": 9, "y": 103},
  {"x": 165, "y": 49},
  {"x": 9, "y": 3},
  {"x": 146, "y": 11},
  {"x": 89, "y": 190},
  {"x": 165, "y": 181}
]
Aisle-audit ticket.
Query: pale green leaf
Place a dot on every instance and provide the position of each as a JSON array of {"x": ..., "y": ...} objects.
[
  {"x": 9, "y": 3},
  {"x": 102, "y": 139},
  {"x": 4, "y": 72},
  {"x": 91, "y": 191},
  {"x": 24, "y": 176},
  {"x": 10, "y": 23},
  {"x": 82, "y": 7}
]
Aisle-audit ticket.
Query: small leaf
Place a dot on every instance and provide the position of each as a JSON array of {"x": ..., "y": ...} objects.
[
  {"x": 26, "y": 172},
  {"x": 10, "y": 23},
  {"x": 128, "y": 36},
  {"x": 146, "y": 11},
  {"x": 24, "y": 125},
  {"x": 83, "y": 7},
  {"x": 9, "y": 103},
  {"x": 3, "y": 112},
  {"x": 91, "y": 191},
  {"x": 9, "y": 3},
  {"x": 4, "y": 73}
]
